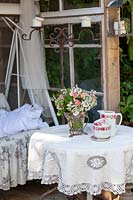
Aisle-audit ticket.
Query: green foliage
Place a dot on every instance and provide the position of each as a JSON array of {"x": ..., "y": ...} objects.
[
  {"x": 50, "y": 5},
  {"x": 126, "y": 66},
  {"x": 130, "y": 49},
  {"x": 129, "y": 2},
  {"x": 126, "y": 104},
  {"x": 42, "y": 5},
  {"x": 53, "y": 5},
  {"x": 89, "y": 73},
  {"x": 75, "y": 1},
  {"x": 126, "y": 15},
  {"x": 54, "y": 69},
  {"x": 81, "y": 1}
]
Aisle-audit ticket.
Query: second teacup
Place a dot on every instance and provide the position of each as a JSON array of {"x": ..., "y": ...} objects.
[{"x": 101, "y": 129}]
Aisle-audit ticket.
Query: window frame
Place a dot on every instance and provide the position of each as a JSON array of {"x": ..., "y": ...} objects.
[{"x": 69, "y": 17}]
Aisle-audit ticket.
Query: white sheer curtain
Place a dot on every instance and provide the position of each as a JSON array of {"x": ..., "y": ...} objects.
[{"x": 35, "y": 76}]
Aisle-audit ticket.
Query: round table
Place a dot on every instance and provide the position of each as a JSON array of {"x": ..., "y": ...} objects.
[{"x": 80, "y": 164}]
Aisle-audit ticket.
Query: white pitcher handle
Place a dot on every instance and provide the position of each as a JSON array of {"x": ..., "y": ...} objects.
[{"x": 119, "y": 114}]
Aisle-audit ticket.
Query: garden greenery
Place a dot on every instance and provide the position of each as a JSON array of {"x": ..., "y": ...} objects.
[{"x": 126, "y": 66}]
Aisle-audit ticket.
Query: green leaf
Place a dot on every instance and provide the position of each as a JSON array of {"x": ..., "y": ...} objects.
[
  {"x": 125, "y": 1},
  {"x": 130, "y": 115},
  {"x": 130, "y": 48},
  {"x": 131, "y": 107},
  {"x": 122, "y": 103},
  {"x": 130, "y": 99},
  {"x": 131, "y": 3},
  {"x": 124, "y": 109}
]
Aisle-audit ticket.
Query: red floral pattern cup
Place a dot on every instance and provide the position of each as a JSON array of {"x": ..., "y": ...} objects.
[{"x": 101, "y": 129}]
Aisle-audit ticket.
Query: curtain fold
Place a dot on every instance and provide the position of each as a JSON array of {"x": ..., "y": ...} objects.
[{"x": 35, "y": 76}]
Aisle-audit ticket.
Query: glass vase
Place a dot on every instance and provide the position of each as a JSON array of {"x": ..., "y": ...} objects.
[{"x": 76, "y": 123}]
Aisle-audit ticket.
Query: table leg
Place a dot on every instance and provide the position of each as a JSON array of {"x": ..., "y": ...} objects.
[
  {"x": 89, "y": 196},
  {"x": 48, "y": 192},
  {"x": 117, "y": 197},
  {"x": 107, "y": 195}
]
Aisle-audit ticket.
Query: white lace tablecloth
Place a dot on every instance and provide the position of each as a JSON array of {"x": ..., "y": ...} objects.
[{"x": 80, "y": 164}]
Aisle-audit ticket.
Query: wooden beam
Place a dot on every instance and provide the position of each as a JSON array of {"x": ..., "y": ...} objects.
[
  {"x": 112, "y": 65},
  {"x": 9, "y": 9},
  {"x": 113, "y": 74}
]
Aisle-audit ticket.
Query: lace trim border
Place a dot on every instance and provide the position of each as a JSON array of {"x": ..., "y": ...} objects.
[
  {"x": 92, "y": 189},
  {"x": 78, "y": 188}
]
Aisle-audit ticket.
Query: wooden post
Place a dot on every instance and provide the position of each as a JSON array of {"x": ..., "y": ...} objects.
[{"x": 112, "y": 63}]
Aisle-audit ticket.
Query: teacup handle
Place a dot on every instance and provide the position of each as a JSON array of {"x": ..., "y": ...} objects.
[{"x": 119, "y": 114}]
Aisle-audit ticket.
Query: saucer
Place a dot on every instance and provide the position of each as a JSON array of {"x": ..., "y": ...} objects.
[{"x": 99, "y": 139}]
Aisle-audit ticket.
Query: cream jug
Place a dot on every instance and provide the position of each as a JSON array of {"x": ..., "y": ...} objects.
[{"x": 111, "y": 117}]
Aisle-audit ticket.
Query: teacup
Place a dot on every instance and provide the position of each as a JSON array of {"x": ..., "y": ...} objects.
[{"x": 101, "y": 129}]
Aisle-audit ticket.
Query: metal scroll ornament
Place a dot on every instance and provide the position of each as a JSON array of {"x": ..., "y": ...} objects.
[
  {"x": 61, "y": 38},
  {"x": 76, "y": 123}
]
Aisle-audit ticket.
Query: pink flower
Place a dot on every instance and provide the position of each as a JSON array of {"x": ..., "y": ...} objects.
[
  {"x": 83, "y": 94},
  {"x": 94, "y": 98},
  {"x": 77, "y": 102},
  {"x": 74, "y": 94},
  {"x": 61, "y": 97}
]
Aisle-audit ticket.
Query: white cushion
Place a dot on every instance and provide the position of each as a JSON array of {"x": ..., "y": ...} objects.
[{"x": 24, "y": 118}]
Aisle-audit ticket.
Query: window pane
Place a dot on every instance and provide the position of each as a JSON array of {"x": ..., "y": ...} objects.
[
  {"x": 88, "y": 75},
  {"x": 49, "y": 5},
  {"x": 87, "y": 35},
  {"x": 53, "y": 68},
  {"x": 72, "y": 4},
  {"x": 87, "y": 68},
  {"x": 93, "y": 114}
]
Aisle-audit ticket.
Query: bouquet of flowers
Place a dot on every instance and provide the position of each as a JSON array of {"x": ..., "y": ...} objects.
[{"x": 75, "y": 101}]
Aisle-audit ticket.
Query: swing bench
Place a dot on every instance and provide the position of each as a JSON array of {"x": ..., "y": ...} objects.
[{"x": 13, "y": 155}]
